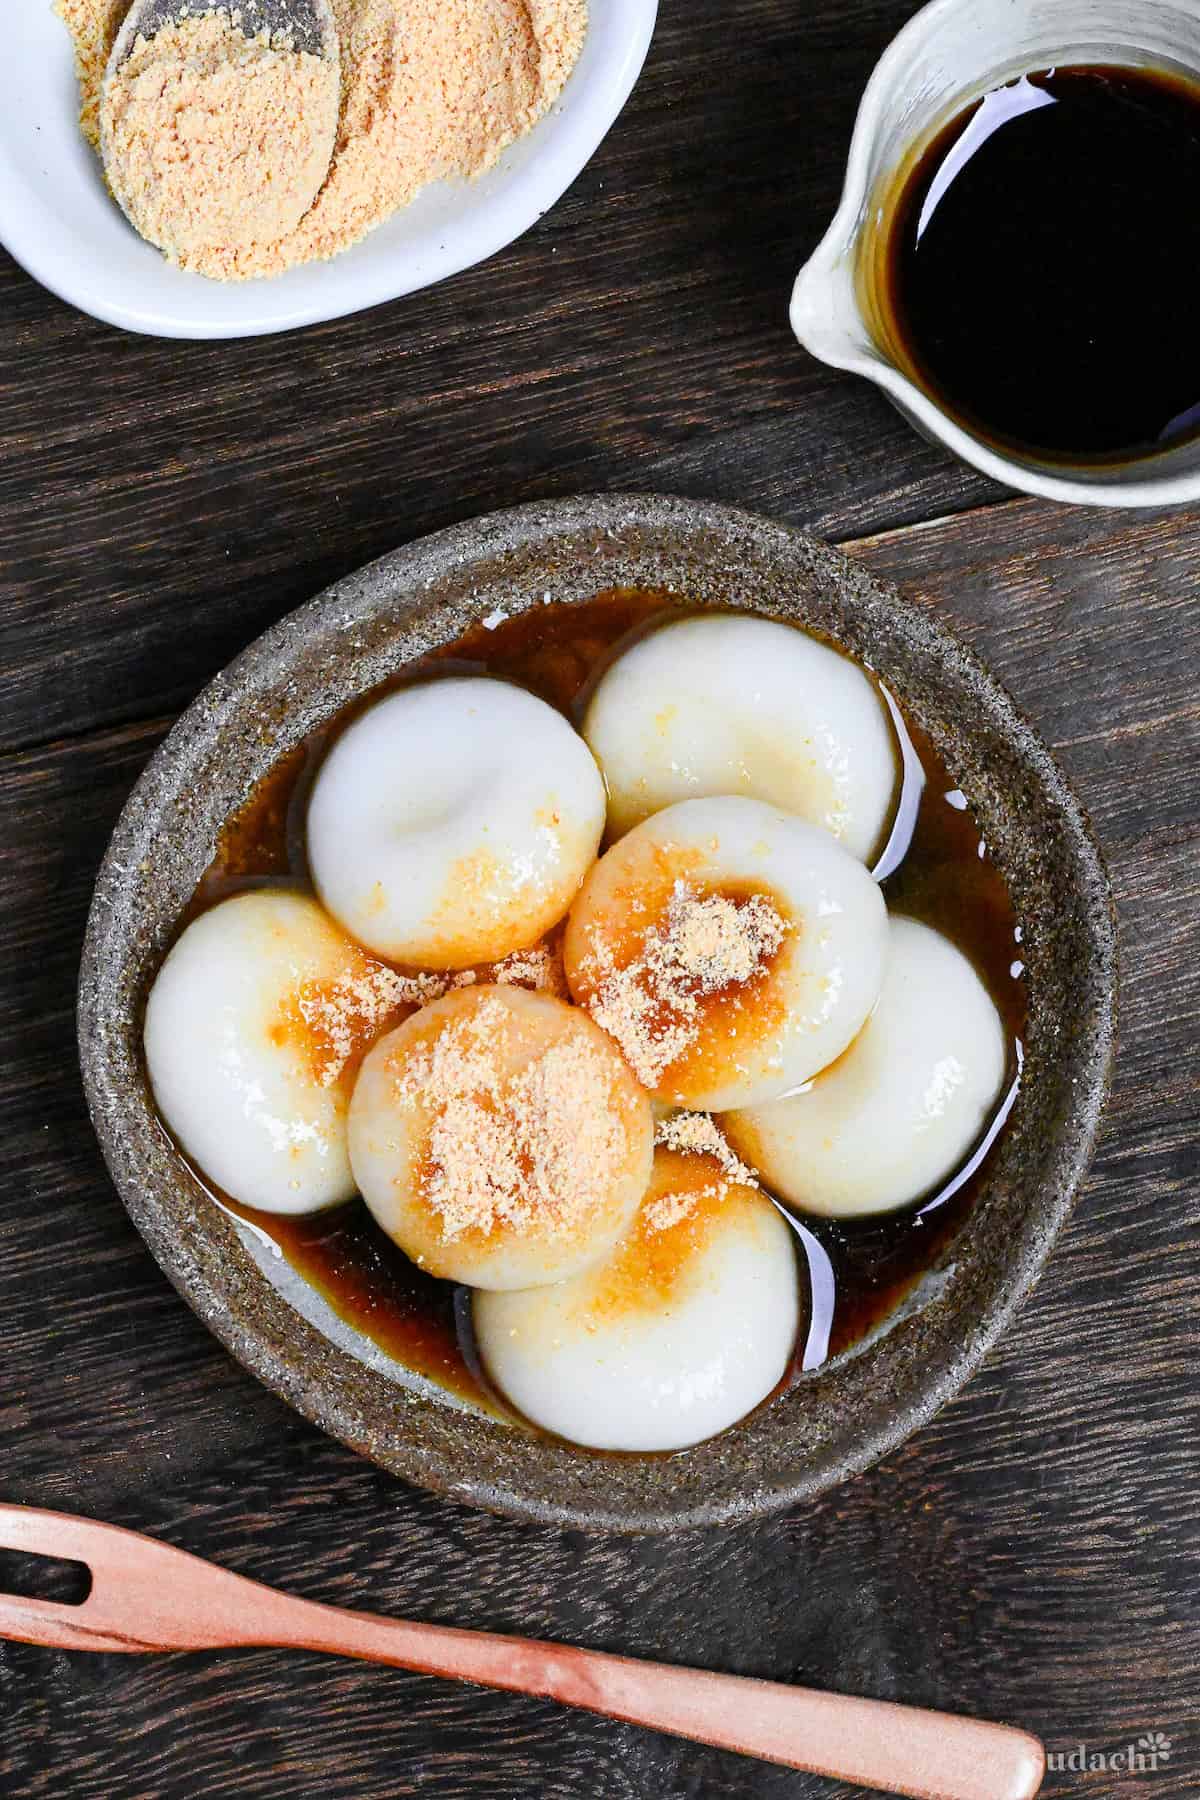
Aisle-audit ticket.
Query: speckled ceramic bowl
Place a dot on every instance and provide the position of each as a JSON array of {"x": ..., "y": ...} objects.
[{"x": 832, "y": 1424}]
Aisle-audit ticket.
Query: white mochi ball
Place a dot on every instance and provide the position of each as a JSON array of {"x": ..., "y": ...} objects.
[
  {"x": 689, "y": 1325},
  {"x": 893, "y": 1119},
  {"x": 498, "y": 1137},
  {"x": 252, "y": 1029},
  {"x": 453, "y": 822},
  {"x": 732, "y": 704},
  {"x": 730, "y": 949}
]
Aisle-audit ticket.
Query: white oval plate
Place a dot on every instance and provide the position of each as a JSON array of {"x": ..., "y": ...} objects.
[{"x": 59, "y": 222}]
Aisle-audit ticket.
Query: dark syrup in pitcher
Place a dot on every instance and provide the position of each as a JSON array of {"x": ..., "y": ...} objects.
[{"x": 1039, "y": 265}]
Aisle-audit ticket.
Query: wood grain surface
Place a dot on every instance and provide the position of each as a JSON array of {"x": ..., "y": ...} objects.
[{"x": 1034, "y": 1554}]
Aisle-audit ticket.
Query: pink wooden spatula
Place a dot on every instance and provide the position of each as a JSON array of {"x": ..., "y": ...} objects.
[{"x": 149, "y": 1596}]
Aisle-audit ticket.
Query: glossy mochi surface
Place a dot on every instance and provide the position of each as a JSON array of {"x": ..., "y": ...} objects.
[
  {"x": 453, "y": 822},
  {"x": 893, "y": 1119},
  {"x": 671, "y": 947},
  {"x": 246, "y": 1065},
  {"x": 684, "y": 1329},
  {"x": 499, "y": 1139},
  {"x": 730, "y": 704}
]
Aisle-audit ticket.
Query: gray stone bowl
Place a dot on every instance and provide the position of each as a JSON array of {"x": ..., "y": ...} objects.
[{"x": 834, "y": 1423}]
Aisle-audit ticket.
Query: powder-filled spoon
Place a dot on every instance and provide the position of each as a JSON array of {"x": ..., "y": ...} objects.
[
  {"x": 218, "y": 124},
  {"x": 307, "y": 24},
  {"x": 146, "y": 1595}
]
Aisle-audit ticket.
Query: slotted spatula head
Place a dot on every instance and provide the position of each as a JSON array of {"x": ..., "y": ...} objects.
[{"x": 145, "y": 1595}]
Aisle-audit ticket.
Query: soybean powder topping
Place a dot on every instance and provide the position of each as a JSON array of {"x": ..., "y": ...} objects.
[
  {"x": 540, "y": 970},
  {"x": 666, "y": 1211},
  {"x": 342, "y": 1015},
  {"x": 704, "y": 942},
  {"x": 695, "y": 1134},
  {"x": 216, "y": 143},
  {"x": 532, "y": 1151},
  {"x": 430, "y": 90}
]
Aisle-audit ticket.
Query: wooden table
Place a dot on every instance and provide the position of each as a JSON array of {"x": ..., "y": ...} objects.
[{"x": 1034, "y": 1554}]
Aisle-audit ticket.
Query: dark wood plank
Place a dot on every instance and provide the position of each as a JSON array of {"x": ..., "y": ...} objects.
[
  {"x": 91, "y": 1298},
  {"x": 1093, "y": 620},
  {"x": 1032, "y": 1554},
  {"x": 161, "y": 503}
]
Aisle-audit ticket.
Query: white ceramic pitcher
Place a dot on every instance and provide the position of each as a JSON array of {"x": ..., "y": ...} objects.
[{"x": 950, "y": 53}]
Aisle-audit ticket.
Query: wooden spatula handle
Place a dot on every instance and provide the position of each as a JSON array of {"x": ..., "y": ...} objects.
[
  {"x": 146, "y": 1595},
  {"x": 897, "y": 1749}
]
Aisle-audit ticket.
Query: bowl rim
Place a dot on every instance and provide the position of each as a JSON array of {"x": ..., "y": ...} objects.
[
  {"x": 328, "y": 1401},
  {"x": 531, "y": 176}
]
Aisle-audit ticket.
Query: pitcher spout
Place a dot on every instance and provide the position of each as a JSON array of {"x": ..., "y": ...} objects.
[{"x": 825, "y": 312}]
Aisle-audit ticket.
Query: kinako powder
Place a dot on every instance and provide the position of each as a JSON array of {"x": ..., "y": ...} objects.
[
  {"x": 430, "y": 90},
  {"x": 217, "y": 143}
]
